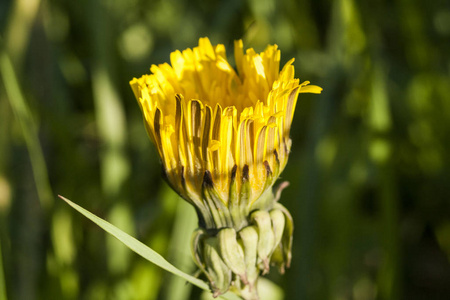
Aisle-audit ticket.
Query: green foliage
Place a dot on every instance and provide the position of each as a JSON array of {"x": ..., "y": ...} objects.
[
  {"x": 369, "y": 166},
  {"x": 141, "y": 249}
]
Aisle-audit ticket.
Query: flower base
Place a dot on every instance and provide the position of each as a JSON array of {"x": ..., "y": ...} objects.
[{"x": 232, "y": 259}]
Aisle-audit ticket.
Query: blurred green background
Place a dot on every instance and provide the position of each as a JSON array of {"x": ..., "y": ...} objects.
[{"x": 369, "y": 167}]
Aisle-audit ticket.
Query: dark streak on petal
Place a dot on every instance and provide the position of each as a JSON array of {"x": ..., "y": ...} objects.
[
  {"x": 233, "y": 173},
  {"x": 286, "y": 150},
  {"x": 207, "y": 179},
  {"x": 156, "y": 124},
  {"x": 245, "y": 175},
  {"x": 183, "y": 180},
  {"x": 177, "y": 115},
  {"x": 269, "y": 171}
]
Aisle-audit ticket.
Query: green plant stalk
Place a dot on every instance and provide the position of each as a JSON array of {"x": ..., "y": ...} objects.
[
  {"x": 111, "y": 125},
  {"x": 17, "y": 33},
  {"x": 2, "y": 277},
  {"x": 381, "y": 152},
  {"x": 29, "y": 130},
  {"x": 185, "y": 222}
]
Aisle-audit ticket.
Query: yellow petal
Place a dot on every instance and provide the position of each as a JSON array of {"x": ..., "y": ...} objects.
[{"x": 311, "y": 89}]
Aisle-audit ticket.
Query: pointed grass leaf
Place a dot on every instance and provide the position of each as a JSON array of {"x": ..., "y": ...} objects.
[{"x": 143, "y": 250}]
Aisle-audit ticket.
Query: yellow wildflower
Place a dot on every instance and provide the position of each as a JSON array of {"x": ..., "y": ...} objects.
[{"x": 222, "y": 134}]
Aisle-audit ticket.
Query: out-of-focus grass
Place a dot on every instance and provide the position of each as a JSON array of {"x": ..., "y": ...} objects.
[
  {"x": 2, "y": 278},
  {"x": 180, "y": 250},
  {"x": 29, "y": 129},
  {"x": 369, "y": 165}
]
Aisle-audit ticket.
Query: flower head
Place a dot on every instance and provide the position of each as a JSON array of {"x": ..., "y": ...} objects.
[
  {"x": 222, "y": 134},
  {"x": 213, "y": 125}
]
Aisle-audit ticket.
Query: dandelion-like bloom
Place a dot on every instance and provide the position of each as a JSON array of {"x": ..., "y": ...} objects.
[{"x": 223, "y": 138}]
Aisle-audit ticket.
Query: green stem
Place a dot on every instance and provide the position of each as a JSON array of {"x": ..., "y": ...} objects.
[
  {"x": 29, "y": 130},
  {"x": 18, "y": 30},
  {"x": 2, "y": 277},
  {"x": 179, "y": 250}
]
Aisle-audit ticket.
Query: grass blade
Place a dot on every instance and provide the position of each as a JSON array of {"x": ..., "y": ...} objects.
[
  {"x": 143, "y": 250},
  {"x": 2, "y": 277},
  {"x": 29, "y": 129}
]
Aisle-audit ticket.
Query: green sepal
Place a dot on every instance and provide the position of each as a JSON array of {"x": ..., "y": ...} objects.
[
  {"x": 278, "y": 223},
  {"x": 232, "y": 252},
  {"x": 196, "y": 243},
  {"x": 216, "y": 205},
  {"x": 238, "y": 218},
  {"x": 249, "y": 239},
  {"x": 266, "y": 236},
  {"x": 246, "y": 192},
  {"x": 219, "y": 273},
  {"x": 277, "y": 258},
  {"x": 287, "y": 234}
]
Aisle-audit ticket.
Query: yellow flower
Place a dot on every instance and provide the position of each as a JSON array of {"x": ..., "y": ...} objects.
[
  {"x": 213, "y": 125},
  {"x": 223, "y": 139}
]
